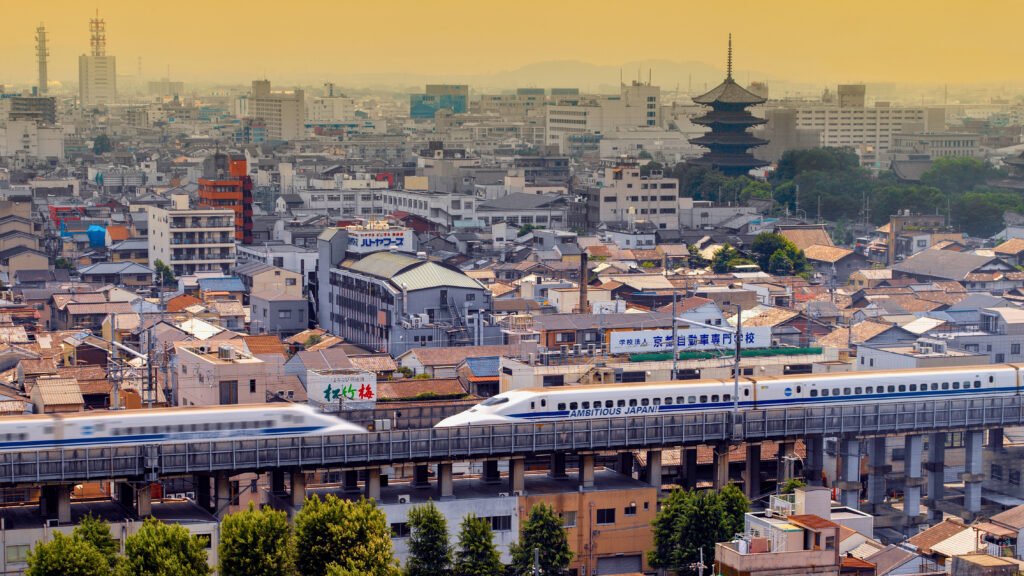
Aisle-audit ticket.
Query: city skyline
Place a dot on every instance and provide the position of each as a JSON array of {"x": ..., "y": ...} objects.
[{"x": 797, "y": 42}]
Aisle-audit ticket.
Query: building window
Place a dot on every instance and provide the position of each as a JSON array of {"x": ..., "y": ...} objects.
[
  {"x": 18, "y": 553},
  {"x": 500, "y": 523},
  {"x": 1015, "y": 349},
  {"x": 629, "y": 510},
  {"x": 279, "y": 261},
  {"x": 400, "y": 530},
  {"x": 229, "y": 392},
  {"x": 284, "y": 314},
  {"x": 1000, "y": 358},
  {"x": 997, "y": 472},
  {"x": 606, "y": 516},
  {"x": 289, "y": 281},
  {"x": 252, "y": 386},
  {"x": 568, "y": 518}
]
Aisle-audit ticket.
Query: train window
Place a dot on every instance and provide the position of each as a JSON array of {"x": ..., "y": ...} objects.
[
  {"x": 903, "y": 388},
  {"x": 714, "y": 397},
  {"x": 846, "y": 391},
  {"x": 691, "y": 399},
  {"x": 668, "y": 400},
  {"x": 814, "y": 393},
  {"x": 869, "y": 390},
  {"x": 680, "y": 400},
  {"x": 945, "y": 385},
  {"x": 824, "y": 391},
  {"x": 892, "y": 388},
  {"x": 657, "y": 401},
  {"x": 835, "y": 391},
  {"x": 913, "y": 387},
  {"x": 991, "y": 379},
  {"x": 799, "y": 389},
  {"x": 977, "y": 383},
  {"x": 543, "y": 402},
  {"x": 703, "y": 399},
  {"x": 621, "y": 403},
  {"x": 956, "y": 385},
  {"x": 561, "y": 405},
  {"x": 726, "y": 397},
  {"x": 533, "y": 405},
  {"x": 935, "y": 385},
  {"x": 858, "y": 390},
  {"x": 609, "y": 404},
  {"x": 746, "y": 391},
  {"x": 586, "y": 405},
  {"x": 644, "y": 402},
  {"x": 632, "y": 401}
]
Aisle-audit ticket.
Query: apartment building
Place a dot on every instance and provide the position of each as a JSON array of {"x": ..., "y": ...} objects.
[
  {"x": 97, "y": 80},
  {"x": 191, "y": 240},
  {"x": 864, "y": 126},
  {"x": 573, "y": 122},
  {"x": 937, "y": 144},
  {"x": 283, "y": 112},
  {"x": 623, "y": 195},
  {"x": 453, "y": 97},
  {"x": 218, "y": 373}
]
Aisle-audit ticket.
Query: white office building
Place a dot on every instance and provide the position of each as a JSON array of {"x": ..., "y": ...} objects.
[
  {"x": 191, "y": 240},
  {"x": 283, "y": 112}
]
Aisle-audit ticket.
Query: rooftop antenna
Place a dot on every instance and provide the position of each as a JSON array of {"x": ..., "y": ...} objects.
[
  {"x": 42, "y": 53},
  {"x": 98, "y": 35},
  {"x": 728, "y": 63}
]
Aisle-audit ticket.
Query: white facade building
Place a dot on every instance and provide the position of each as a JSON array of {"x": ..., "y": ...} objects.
[
  {"x": 625, "y": 196},
  {"x": 637, "y": 104},
  {"x": 283, "y": 112},
  {"x": 97, "y": 80},
  {"x": 855, "y": 126},
  {"x": 192, "y": 240},
  {"x": 29, "y": 139}
]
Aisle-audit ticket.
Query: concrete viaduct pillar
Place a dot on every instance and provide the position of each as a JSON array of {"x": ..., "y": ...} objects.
[
  {"x": 372, "y": 487},
  {"x": 557, "y": 469},
  {"x": 586, "y": 471},
  {"x": 849, "y": 472},
  {"x": 752, "y": 471},
  {"x": 55, "y": 502},
  {"x": 814, "y": 463},
  {"x": 445, "y": 482},
  {"x": 688, "y": 467},
  {"x": 720, "y": 475},
  {"x": 912, "y": 451},
  {"x": 517, "y": 475},
  {"x": 973, "y": 476},
  {"x": 653, "y": 475},
  {"x": 936, "y": 467},
  {"x": 491, "y": 474},
  {"x": 298, "y": 493},
  {"x": 877, "y": 469}
]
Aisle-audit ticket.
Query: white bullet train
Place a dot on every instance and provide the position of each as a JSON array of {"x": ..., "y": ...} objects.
[
  {"x": 160, "y": 425},
  {"x": 679, "y": 397}
]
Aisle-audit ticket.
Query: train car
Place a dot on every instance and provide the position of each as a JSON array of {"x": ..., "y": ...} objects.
[
  {"x": 160, "y": 425},
  {"x": 610, "y": 400}
]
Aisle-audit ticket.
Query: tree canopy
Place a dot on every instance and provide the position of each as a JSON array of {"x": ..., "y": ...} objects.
[
  {"x": 692, "y": 521},
  {"x": 256, "y": 542},
  {"x": 726, "y": 258},
  {"x": 66, "y": 556},
  {"x": 429, "y": 551},
  {"x": 353, "y": 536},
  {"x": 97, "y": 532},
  {"x": 476, "y": 554},
  {"x": 542, "y": 532},
  {"x": 159, "y": 549}
]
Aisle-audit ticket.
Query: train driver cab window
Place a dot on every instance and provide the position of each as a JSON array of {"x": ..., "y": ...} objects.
[
  {"x": 561, "y": 405},
  {"x": 494, "y": 400},
  {"x": 814, "y": 393},
  {"x": 632, "y": 401}
]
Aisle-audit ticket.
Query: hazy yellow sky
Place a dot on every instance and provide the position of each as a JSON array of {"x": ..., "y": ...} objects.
[{"x": 816, "y": 41}]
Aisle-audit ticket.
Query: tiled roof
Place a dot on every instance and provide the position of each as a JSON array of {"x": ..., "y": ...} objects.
[
  {"x": 59, "y": 392},
  {"x": 1014, "y": 517},
  {"x": 452, "y": 355},
  {"x": 99, "y": 308},
  {"x": 226, "y": 284},
  {"x": 862, "y": 332},
  {"x": 324, "y": 359},
  {"x": 179, "y": 303},
  {"x": 924, "y": 541},
  {"x": 807, "y": 236},
  {"x": 265, "y": 344},
  {"x": 484, "y": 365},
  {"x": 1011, "y": 246},
  {"x": 374, "y": 363},
  {"x": 412, "y": 388},
  {"x": 830, "y": 254}
]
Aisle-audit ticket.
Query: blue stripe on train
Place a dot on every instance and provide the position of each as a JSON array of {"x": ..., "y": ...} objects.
[{"x": 149, "y": 438}]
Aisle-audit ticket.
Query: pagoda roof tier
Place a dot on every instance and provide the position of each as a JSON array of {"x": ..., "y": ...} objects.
[
  {"x": 728, "y": 160},
  {"x": 728, "y": 139},
  {"x": 728, "y": 118},
  {"x": 729, "y": 92}
]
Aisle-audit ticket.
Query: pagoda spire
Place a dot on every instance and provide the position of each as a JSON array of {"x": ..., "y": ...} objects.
[{"x": 728, "y": 63}]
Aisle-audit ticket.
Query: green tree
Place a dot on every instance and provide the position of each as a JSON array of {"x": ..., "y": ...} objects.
[
  {"x": 691, "y": 522},
  {"x": 980, "y": 212},
  {"x": 796, "y": 162},
  {"x": 159, "y": 549},
  {"x": 97, "y": 532},
  {"x": 353, "y": 535},
  {"x": 102, "y": 144},
  {"x": 791, "y": 485},
  {"x": 164, "y": 273},
  {"x": 958, "y": 174},
  {"x": 725, "y": 258},
  {"x": 780, "y": 264},
  {"x": 765, "y": 245},
  {"x": 476, "y": 554},
  {"x": 543, "y": 532},
  {"x": 696, "y": 260},
  {"x": 256, "y": 542},
  {"x": 62, "y": 263},
  {"x": 756, "y": 190},
  {"x": 66, "y": 556},
  {"x": 429, "y": 551}
]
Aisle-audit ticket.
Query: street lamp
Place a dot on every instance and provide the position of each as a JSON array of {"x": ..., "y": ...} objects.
[{"x": 736, "y": 357}]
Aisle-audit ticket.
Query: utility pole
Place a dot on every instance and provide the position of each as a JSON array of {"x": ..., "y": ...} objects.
[
  {"x": 736, "y": 369},
  {"x": 536, "y": 562},
  {"x": 675, "y": 340}
]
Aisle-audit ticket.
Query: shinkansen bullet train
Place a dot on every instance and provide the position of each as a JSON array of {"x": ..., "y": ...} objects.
[
  {"x": 680, "y": 397},
  {"x": 112, "y": 428}
]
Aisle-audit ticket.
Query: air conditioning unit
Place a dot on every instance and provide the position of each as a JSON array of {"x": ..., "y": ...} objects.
[
  {"x": 518, "y": 493},
  {"x": 52, "y": 522},
  {"x": 406, "y": 325},
  {"x": 404, "y": 498},
  {"x": 502, "y": 494},
  {"x": 225, "y": 353},
  {"x": 190, "y": 495}
]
